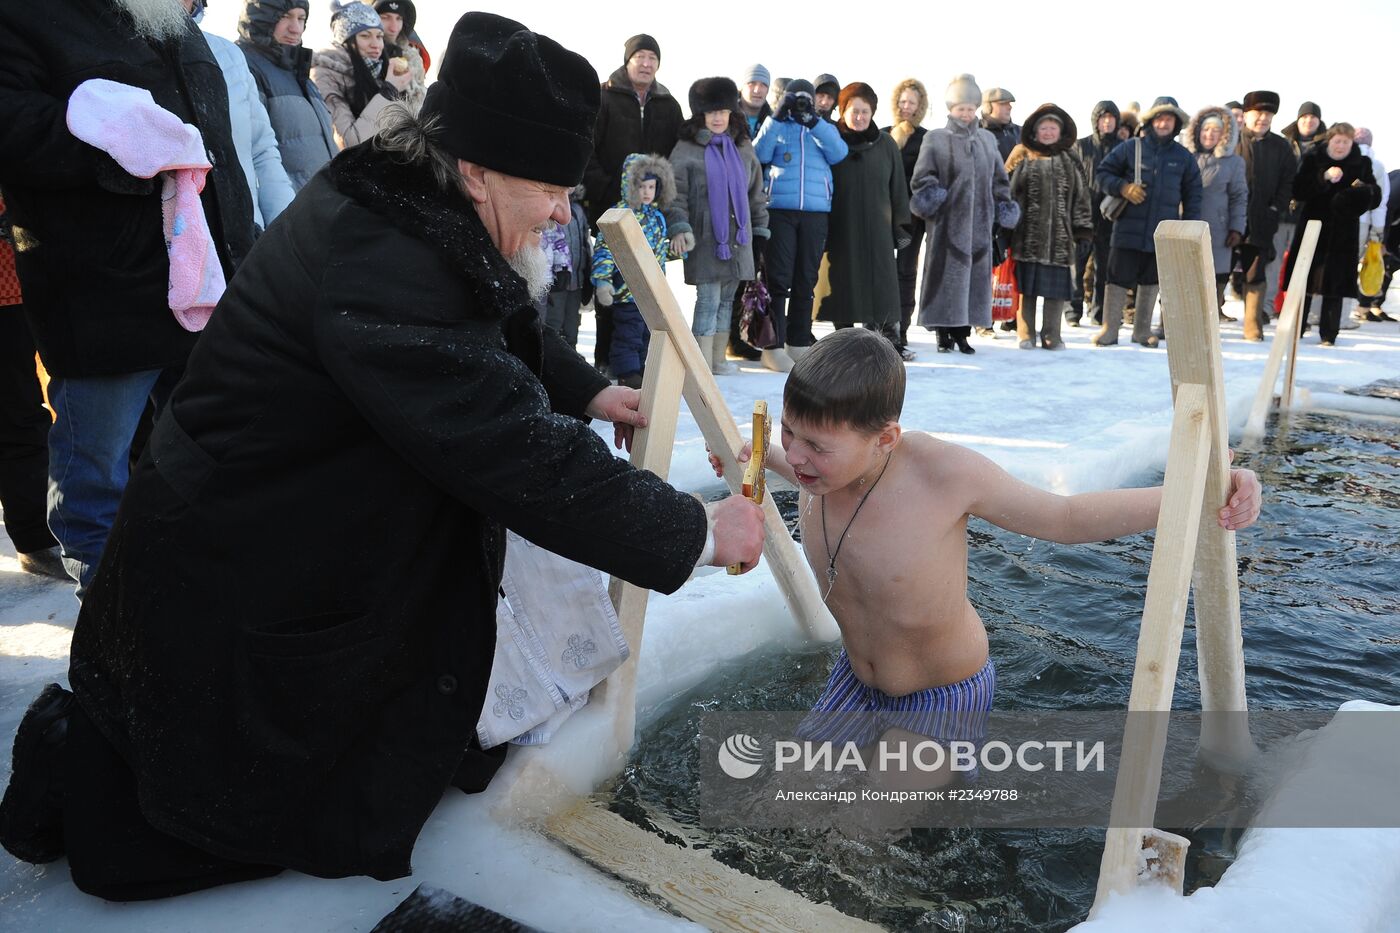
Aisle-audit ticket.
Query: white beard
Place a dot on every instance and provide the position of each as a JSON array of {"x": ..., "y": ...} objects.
[
  {"x": 156, "y": 19},
  {"x": 532, "y": 265}
]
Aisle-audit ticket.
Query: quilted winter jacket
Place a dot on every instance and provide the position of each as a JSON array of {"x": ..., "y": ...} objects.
[
  {"x": 1173, "y": 184},
  {"x": 798, "y": 162}
]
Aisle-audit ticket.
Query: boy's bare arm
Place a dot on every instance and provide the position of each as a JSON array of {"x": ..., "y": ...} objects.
[{"x": 1003, "y": 500}]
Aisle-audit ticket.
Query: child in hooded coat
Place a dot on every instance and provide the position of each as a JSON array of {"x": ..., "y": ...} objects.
[{"x": 648, "y": 188}]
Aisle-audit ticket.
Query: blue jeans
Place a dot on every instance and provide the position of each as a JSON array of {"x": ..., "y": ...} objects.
[
  {"x": 89, "y": 446},
  {"x": 713, "y": 304}
]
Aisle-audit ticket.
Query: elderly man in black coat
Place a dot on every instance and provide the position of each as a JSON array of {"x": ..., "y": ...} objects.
[
  {"x": 90, "y": 249},
  {"x": 285, "y": 653},
  {"x": 1269, "y": 165}
]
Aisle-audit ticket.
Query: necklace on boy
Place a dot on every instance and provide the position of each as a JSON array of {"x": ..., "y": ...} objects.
[{"x": 832, "y": 555}]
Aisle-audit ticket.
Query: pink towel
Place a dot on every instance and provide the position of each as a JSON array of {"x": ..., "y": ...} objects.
[{"x": 145, "y": 139}]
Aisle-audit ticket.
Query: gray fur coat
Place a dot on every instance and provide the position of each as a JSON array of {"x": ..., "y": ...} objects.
[
  {"x": 960, "y": 187},
  {"x": 1224, "y": 189}
]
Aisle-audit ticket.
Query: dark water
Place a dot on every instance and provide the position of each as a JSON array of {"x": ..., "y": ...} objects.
[{"x": 1319, "y": 606}]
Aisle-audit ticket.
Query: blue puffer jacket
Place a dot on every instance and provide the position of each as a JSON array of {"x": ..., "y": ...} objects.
[
  {"x": 797, "y": 163},
  {"x": 1172, "y": 180}
]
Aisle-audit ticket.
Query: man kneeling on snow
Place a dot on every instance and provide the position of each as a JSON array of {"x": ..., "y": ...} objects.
[{"x": 285, "y": 651}]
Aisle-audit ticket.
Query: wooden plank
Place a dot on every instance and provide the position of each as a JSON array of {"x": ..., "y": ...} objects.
[
  {"x": 658, "y": 305},
  {"x": 1285, "y": 338},
  {"x": 1187, "y": 274},
  {"x": 1297, "y": 299},
  {"x": 1139, "y": 775},
  {"x": 652, "y": 447},
  {"x": 690, "y": 881}
]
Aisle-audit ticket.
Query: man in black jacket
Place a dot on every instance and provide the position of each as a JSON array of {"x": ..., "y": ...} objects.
[
  {"x": 637, "y": 114},
  {"x": 1269, "y": 169},
  {"x": 235, "y": 713},
  {"x": 996, "y": 119},
  {"x": 1091, "y": 149},
  {"x": 91, "y": 251}
]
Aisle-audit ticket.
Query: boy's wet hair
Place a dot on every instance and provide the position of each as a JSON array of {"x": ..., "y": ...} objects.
[{"x": 852, "y": 378}]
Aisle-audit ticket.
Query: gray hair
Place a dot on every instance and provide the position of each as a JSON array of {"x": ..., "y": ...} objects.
[{"x": 408, "y": 140}]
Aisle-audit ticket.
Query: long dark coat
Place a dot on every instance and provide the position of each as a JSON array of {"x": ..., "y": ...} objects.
[
  {"x": 1339, "y": 206},
  {"x": 858, "y": 283},
  {"x": 1269, "y": 167},
  {"x": 91, "y": 246},
  {"x": 624, "y": 126},
  {"x": 291, "y": 630},
  {"x": 960, "y": 187}
]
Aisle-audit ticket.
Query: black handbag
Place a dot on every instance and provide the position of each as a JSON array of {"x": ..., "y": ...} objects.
[{"x": 1113, "y": 205}]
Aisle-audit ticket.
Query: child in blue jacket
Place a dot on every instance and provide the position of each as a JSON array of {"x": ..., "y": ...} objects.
[
  {"x": 648, "y": 187},
  {"x": 797, "y": 149}
]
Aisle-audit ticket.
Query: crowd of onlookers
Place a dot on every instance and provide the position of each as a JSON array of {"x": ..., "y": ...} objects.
[{"x": 783, "y": 198}]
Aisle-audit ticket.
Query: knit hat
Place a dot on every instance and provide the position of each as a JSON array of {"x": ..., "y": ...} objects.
[
  {"x": 404, "y": 8},
  {"x": 998, "y": 95},
  {"x": 1267, "y": 101},
  {"x": 1363, "y": 136},
  {"x": 539, "y": 98},
  {"x": 826, "y": 84},
  {"x": 1308, "y": 107},
  {"x": 1234, "y": 105},
  {"x": 349, "y": 19},
  {"x": 800, "y": 86},
  {"x": 962, "y": 90},
  {"x": 638, "y": 43},
  {"x": 757, "y": 73},
  {"x": 709, "y": 94},
  {"x": 857, "y": 89}
]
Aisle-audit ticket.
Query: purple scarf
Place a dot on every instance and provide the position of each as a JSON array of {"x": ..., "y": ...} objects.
[{"x": 728, "y": 185}]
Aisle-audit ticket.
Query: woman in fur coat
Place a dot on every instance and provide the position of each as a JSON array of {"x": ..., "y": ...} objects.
[
  {"x": 1057, "y": 225},
  {"x": 719, "y": 212},
  {"x": 858, "y": 282},
  {"x": 909, "y": 106},
  {"x": 1336, "y": 185},
  {"x": 960, "y": 188},
  {"x": 1212, "y": 136},
  {"x": 355, "y": 77}
]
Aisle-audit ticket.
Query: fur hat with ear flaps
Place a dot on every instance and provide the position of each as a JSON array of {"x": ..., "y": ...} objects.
[{"x": 637, "y": 168}]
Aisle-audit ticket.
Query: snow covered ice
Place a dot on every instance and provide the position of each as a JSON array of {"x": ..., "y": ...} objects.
[{"x": 1070, "y": 422}]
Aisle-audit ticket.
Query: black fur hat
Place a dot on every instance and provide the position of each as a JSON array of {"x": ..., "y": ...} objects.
[
  {"x": 1266, "y": 101},
  {"x": 709, "y": 94},
  {"x": 539, "y": 98}
]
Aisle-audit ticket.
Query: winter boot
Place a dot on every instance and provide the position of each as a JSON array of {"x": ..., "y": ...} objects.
[
  {"x": 1114, "y": 298},
  {"x": 945, "y": 339},
  {"x": 31, "y": 815},
  {"x": 1142, "y": 323},
  {"x": 718, "y": 364},
  {"x": 707, "y": 349},
  {"x": 1050, "y": 326},
  {"x": 1254, "y": 318},
  {"x": 777, "y": 360},
  {"x": 960, "y": 335},
  {"x": 1025, "y": 318},
  {"x": 796, "y": 353}
]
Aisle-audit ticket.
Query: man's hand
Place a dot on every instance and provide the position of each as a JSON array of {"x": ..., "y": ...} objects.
[
  {"x": 1242, "y": 509},
  {"x": 1233, "y": 239},
  {"x": 738, "y": 533},
  {"x": 618, "y": 404},
  {"x": 1133, "y": 192}
]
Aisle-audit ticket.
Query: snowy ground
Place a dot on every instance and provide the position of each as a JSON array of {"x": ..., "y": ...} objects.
[{"x": 1071, "y": 421}]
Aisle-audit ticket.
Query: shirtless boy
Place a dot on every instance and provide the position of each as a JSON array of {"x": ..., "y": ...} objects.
[{"x": 883, "y": 516}]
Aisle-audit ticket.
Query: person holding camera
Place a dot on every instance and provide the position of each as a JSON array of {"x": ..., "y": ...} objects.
[{"x": 797, "y": 149}]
